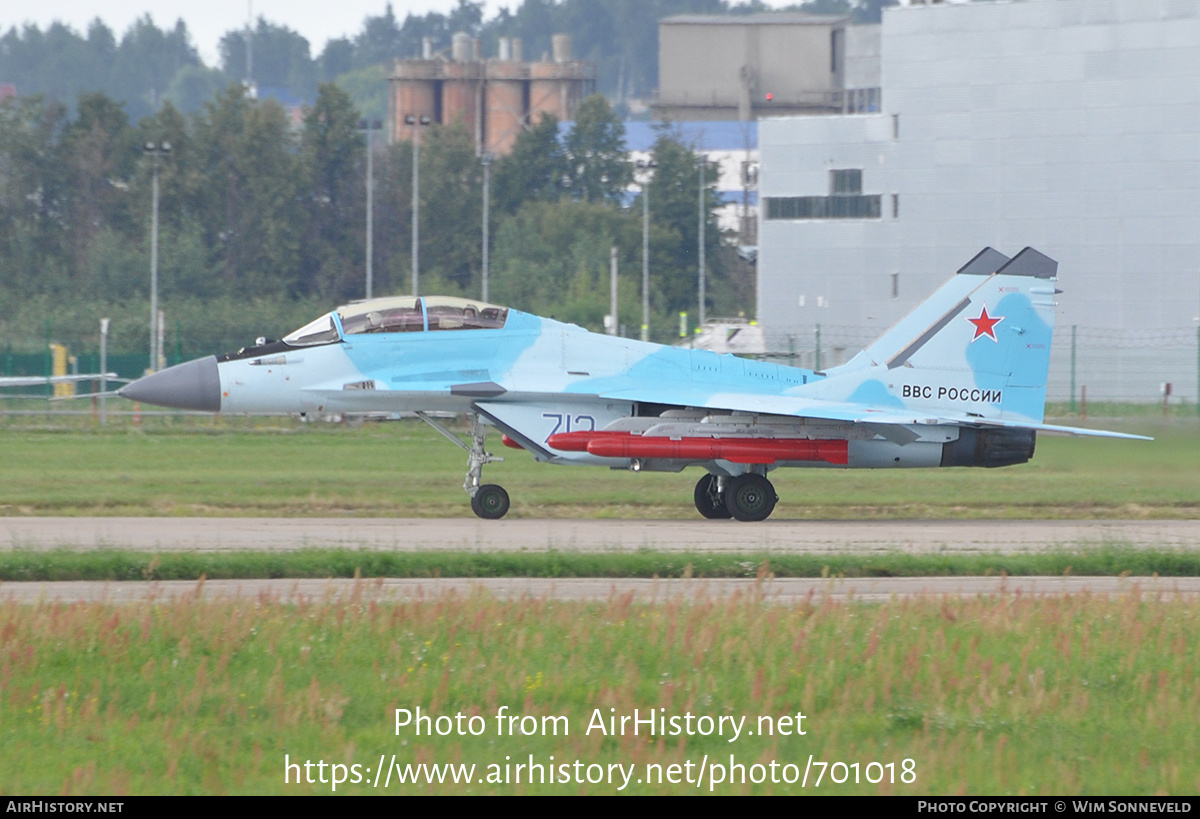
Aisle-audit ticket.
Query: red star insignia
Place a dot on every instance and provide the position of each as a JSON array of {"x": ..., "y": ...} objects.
[{"x": 985, "y": 324}]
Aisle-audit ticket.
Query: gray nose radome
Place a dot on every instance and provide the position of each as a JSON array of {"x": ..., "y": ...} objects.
[{"x": 193, "y": 385}]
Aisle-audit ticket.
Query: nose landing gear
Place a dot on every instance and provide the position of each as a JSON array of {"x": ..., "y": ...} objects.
[{"x": 488, "y": 500}]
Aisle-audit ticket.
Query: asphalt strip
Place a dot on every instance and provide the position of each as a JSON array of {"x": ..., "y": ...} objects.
[{"x": 472, "y": 534}]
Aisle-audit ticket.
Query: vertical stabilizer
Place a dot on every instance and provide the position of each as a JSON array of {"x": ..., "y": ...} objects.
[{"x": 980, "y": 345}]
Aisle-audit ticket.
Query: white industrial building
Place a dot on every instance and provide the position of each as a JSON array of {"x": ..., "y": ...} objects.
[{"x": 1072, "y": 126}]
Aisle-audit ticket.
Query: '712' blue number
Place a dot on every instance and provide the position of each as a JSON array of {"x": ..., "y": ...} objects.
[{"x": 571, "y": 423}]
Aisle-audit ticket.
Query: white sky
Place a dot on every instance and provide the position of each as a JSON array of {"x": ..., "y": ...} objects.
[{"x": 209, "y": 20}]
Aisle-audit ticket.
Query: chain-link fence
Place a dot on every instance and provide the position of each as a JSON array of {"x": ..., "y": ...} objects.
[{"x": 1086, "y": 363}]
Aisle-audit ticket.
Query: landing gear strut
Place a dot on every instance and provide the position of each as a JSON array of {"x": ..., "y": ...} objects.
[
  {"x": 488, "y": 500},
  {"x": 750, "y": 497},
  {"x": 710, "y": 500}
]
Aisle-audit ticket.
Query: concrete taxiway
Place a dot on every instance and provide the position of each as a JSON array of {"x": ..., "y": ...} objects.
[
  {"x": 472, "y": 534},
  {"x": 814, "y": 537}
]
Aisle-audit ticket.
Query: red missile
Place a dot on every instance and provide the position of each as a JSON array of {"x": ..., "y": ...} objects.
[
  {"x": 578, "y": 441},
  {"x": 737, "y": 450},
  {"x": 510, "y": 443}
]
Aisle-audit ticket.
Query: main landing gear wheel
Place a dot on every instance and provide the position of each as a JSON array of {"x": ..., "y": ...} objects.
[
  {"x": 709, "y": 500},
  {"x": 490, "y": 502},
  {"x": 750, "y": 497}
]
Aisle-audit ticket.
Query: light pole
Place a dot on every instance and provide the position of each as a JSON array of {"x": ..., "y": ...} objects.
[
  {"x": 703, "y": 222},
  {"x": 487, "y": 175},
  {"x": 370, "y": 128},
  {"x": 154, "y": 150},
  {"x": 646, "y": 167},
  {"x": 103, "y": 371},
  {"x": 416, "y": 121}
]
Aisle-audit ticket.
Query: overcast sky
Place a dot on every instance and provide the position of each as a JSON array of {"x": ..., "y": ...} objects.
[{"x": 209, "y": 20}]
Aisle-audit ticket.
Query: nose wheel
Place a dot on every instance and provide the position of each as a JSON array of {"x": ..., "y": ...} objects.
[{"x": 488, "y": 500}]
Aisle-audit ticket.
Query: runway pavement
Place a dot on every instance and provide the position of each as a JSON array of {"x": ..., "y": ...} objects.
[{"x": 472, "y": 534}]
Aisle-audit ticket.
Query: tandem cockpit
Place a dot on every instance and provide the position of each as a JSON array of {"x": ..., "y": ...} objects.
[{"x": 399, "y": 314}]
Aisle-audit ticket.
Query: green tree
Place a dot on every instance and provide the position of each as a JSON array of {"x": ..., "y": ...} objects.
[
  {"x": 598, "y": 163},
  {"x": 393, "y": 218},
  {"x": 333, "y": 151},
  {"x": 248, "y": 185},
  {"x": 675, "y": 202},
  {"x": 281, "y": 59},
  {"x": 368, "y": 88},
  {"x": 379, "y": 41},
  {"x": 184, "y": 263},
  {"x": 552, "y": 258},
  {"x": 100, "y": 147},
  {"x": 535, "y": 169},
  {"x": 33, "y": 194},
  {"x": 336, "y": 58},
  {"x": 451, "y": 209},
  {"x": 62, "y": 65},
  {"x": 194, "y": 85},
  {"x": 146, "y": 63}
]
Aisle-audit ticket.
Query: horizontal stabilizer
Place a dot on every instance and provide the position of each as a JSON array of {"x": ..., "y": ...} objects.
[{"x": 1090, "y": 433}]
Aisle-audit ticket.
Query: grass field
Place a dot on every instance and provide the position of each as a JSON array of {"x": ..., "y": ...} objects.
[
  {"x": 275, "y": 467},
  {"x": 1071, "y": 695},
  {"x": 1110, "y": 560},
  {"x": 999, "y": 695}
]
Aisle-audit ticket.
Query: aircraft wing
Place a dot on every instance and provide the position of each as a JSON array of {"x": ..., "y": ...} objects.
[
  {"x": 42, "y": 380},
  {"x": 838, "y": 411}
]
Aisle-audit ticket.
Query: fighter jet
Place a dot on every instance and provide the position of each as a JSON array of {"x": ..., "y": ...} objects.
[{"x": 961, "y": 381}]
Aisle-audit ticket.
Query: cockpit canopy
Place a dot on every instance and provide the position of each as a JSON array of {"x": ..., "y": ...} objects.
[{"x": 399, "y": 314}]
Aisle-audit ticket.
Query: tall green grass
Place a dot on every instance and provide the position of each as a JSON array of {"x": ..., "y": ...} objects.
[
  {"x": 991, "y": 695},
  {"x": 102, "y": 564}
]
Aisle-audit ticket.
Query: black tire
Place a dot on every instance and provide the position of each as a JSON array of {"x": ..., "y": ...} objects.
[
  {"x": 490, "y": 502},
  {"x": 750, "y": 497},
  {"x": 709, "y": 502}
]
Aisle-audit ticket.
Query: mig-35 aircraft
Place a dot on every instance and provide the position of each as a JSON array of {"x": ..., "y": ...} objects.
[{"x": 961, "y": 381}]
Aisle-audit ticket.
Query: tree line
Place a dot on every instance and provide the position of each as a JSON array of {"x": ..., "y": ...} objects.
[
  {"x": 147, "y": 65},
  {"x": 254, "y": 211}
]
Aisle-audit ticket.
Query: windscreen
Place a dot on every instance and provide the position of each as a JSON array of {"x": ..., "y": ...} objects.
[{"x": 317, "y": 331}]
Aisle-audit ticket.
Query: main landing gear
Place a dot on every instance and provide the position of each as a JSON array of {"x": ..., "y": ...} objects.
[
  {"x": 710, "y": 501},
  {"x": 488, "y": 500},
  {"x": 749, "y": 496}
]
